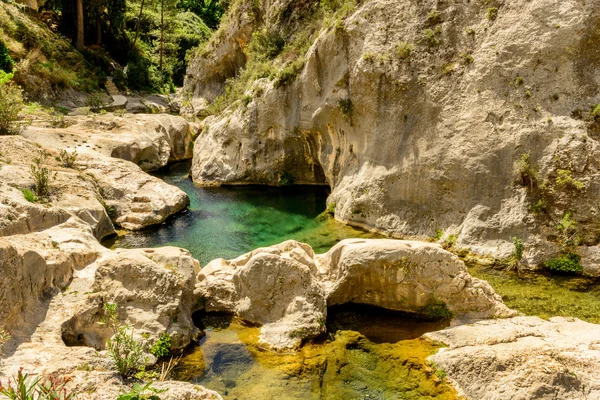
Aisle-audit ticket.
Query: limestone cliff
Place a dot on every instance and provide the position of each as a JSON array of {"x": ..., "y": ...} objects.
[{"x": 415, "y": 114}]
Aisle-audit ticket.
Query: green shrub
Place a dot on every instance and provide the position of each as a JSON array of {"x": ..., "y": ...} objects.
[
  {"x": 539, "y": 206},
  {"x": 526, "y": 171},
  {"x": 285, "y": 179},
  {"x": 289, "y": 73},
  {"x": 519, "y": 81},
  {"x": 403, "y": 50},
  {"x": 67, "y": 159},
  {"x": 569, "y": 263},
  {"x": 29, "y": 195},
  {"x": 436, "y": 311},
  {"x": 138, "y": 392},
  {"x": 517, "y": 253},
  {"x": 595, "y": 111},
  {"x": 138, "y": 74},
  {"x": 41, "y": 176},
  {"x": 126, "y": 352},
  {"x": 434, "y": 17},
  {"x": 432, "y": 37},
  {"x": 11, "y": 104},
  {"x": 267, "y": 43},
  {"x": 95, "y": 101},
  {"x": 491, "y": 13},
  {"x": 564, "y": 178},
  {"x": 467, "y": 58},
  {"x": 162, "y": 347},
  {"x": 346, "y": 106},
  {"x": 6, "y": 62},
  {"x": 438, "y": 235},
  {"x": 119, "y": 78}
]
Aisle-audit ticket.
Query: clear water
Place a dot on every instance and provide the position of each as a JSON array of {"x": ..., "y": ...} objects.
[
  {"x": 367, "y": 354},
  {"x": 230, "y": 221}
]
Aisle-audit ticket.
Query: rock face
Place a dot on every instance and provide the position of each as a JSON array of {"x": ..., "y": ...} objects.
[
  {"x": 98, "y": 185},
  {"x": 150, "y": 141},
  {"x": 286, "y": 288},
  {"x": 416, "y": 122},
  {"x": 154, "y": 289},
  {"x": 40, "y": 264},
  {"x": 522, "y": 358}
]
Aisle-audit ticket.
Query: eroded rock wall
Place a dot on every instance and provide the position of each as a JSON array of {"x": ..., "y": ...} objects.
[{"x": 432, "y": 134}]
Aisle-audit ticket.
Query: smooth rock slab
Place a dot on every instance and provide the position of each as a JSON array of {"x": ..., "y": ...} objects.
[{"x": 522, "y": 358}]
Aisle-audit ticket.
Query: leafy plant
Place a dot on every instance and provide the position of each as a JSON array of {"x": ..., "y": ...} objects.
[
  {"x": 126, "y": 352},
  {"x": 11, "y": 104},
  {"x": 564, "y": 178},
  {"x": 404, "y": 50},
  {"x": 436, "y": 311},
  {"x": 29, "y": 195},
  {"x": 267, "y": 43},
  {"x": 491, "y": 13},
  {"x": 438, "y": 235},
  {"x": 346, "y": 106},
  {"x": 138, "y": 392},
  {"x": 95, "y": 101},
  {"x": 569, "y": 263},
  {"x": 286, "y": 179},
  {"x": 526, "y": 171},
  {"x": 22, "y": 387},
  {"x": 6, "y": 62},
  {"x": 434, "y": 17},
  {"x": 595, "y": 111},
  {"x": 567, "y": 232},
  {"x": 432, "y": 37},
  {"x": 517, "y": 253},
  {"x": 467, "y": 58},
  {"x": 162, "y": 347},
  {"x": 40, "y": 175},
  {"x": 290, "y": 72},
  {"x": 67, "y": 158}
]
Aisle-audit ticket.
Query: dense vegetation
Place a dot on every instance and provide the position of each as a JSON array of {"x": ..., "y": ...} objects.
[{"x": 142, "y": 44}]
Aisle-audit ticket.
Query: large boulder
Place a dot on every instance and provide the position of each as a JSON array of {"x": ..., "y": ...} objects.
[
  {"x": 408, "y": 276},
  {"x": 286, "y": 288},
  {"x": 522, "y": 358},
  {"x": 154, "y": 289},
  {"x": 416, "y": 122},
  {"x": 274, "y": 286}
]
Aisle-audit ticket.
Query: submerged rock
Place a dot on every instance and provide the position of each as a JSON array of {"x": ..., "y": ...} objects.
[
  {"x": 286, "y": 288},
  {"x": 522, "y": 358}
]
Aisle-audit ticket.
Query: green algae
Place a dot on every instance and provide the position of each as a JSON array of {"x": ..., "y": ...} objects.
[
  {"x": 544, "y": 295},
  {"x": 346, "y": 365}
]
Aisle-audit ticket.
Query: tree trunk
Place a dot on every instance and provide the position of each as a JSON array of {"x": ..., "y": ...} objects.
[
  {"x": 137, "y": 26},
  {"x": 98, "y": 32},
  {"x": 162, "y": 32},
  {"x": 80, "y": 38}
]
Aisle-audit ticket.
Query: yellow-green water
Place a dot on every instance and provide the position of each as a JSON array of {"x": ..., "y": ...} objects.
[{"x": 384, "y": 361}]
